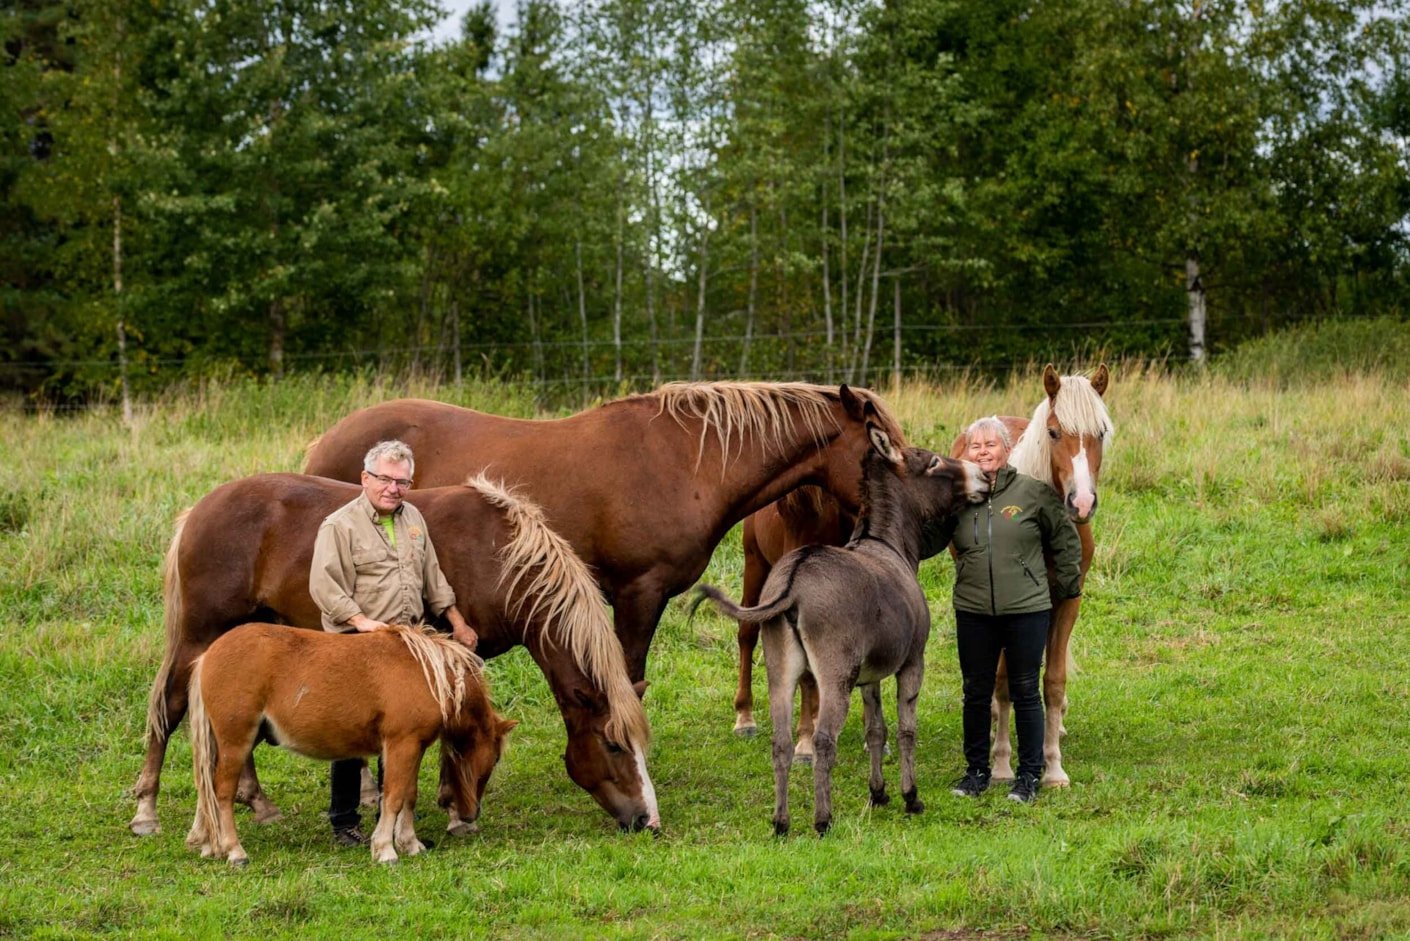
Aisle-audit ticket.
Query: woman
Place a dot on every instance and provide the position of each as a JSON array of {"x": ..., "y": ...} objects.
[{"x": 1003, "y": 603}]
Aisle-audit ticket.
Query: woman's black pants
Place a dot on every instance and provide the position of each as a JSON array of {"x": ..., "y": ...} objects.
[{"x": 1022, "y": 638}]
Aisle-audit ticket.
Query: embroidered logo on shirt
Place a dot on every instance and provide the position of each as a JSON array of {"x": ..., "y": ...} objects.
[
  {"x": 1011, "y": 511},
  {"x": 415, "y": 532}
]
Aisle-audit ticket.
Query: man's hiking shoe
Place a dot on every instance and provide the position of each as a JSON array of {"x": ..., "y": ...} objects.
[
  {"x": 350, "y": 836},
  {"x": 1025, "y": 789},
  {"x": 974, "y": 783}
]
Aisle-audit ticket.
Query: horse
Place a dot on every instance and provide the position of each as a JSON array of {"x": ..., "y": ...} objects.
[
  {"x": 658, "y": 478},
  {"x": 243, "y": 553},
  {"x": 1068, "y": 455},
  {"x": 341, "y": 696},
  {"x": 855, "y": 615},
  {"x": 1062, "y": 443}
]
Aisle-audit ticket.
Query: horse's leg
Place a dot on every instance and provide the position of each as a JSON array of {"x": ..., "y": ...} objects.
[
  {"x": 228, "y": 766},
  {"x": 833, "y": 699},
  {"x": 756, "y": 569},
  {"x": 807, "y": 719},
  {"x": 394, "y": 786},
  {"x": 636, "y": 610},
  {"x": 908, "y": 682},
  {"x": 1000, "y": 709},
  {"x": 252, "y": 795},
  {"x": 404, "y": 829},
  {"x": 165, "y": 710},
  {"x": 875, "y": 723},
  {"x": 784, "y": 662},
  {"x": 1055, "y": 691}
]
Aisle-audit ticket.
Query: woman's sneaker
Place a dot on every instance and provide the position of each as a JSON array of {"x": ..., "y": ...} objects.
[
  {"x": 1025, "y": 788},
  {"x": 974, "y": 783}
]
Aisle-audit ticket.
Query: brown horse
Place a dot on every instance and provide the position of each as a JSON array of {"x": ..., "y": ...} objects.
[
  {"x": 1062, "y": 443},
  {"x": 330, "y": 696},
  {"x": 1069, "y": 456},
  {"x": 855, "y": 615},
  {"x": 656, "y": 480},
  {"x": 243, "y": 553}
]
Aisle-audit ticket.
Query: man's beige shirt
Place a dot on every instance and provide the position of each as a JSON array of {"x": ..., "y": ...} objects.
[{"x": 357, "y": 570}]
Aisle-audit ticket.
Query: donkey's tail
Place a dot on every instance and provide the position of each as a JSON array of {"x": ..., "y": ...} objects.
[
  {"x": 157, "y": 719},
  {"x": 203, "y": 758},
  {"x": 755, "y": 615}
]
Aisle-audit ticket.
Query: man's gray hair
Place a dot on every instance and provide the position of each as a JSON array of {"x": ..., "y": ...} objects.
[
  {"x": 990, "y": 423},
  {"x": 394, "y": 451}
]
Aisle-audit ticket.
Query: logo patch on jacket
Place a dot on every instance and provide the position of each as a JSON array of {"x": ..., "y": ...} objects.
[{"x": 1011, "y": 511}]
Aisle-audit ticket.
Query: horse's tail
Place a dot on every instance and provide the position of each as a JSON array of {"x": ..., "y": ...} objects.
[
  {"x": 203, "y": 757},
  {"x": 755, "y": 615},
  {"x": 549, "y": 583},
  {"x": 157, "y": 719}
]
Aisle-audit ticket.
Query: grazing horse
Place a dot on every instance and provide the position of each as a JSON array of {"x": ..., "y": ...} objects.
[
  {"x": 334, "y": 696},
  {"x": 656, "y": 480},
  {"x": 1068, "y": 455},
  {"x": 1062, "y": 443},
  {"x": 243, "y": 553},
  {"x": 855, "y": 615}
]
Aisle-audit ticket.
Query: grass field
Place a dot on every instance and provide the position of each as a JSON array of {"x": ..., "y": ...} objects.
[{"x": 1238, "y": 727}]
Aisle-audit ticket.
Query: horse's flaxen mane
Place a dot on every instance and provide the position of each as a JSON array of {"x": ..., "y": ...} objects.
[
  {"x": 445, "y": 663},
  {"x": 765, "y": 411},
  {"x": 549, "y": 583},
  {"x": 1079, "y": 409}
]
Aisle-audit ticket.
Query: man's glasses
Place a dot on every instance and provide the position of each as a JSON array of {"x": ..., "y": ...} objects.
[{"x": 402, "y": 482}]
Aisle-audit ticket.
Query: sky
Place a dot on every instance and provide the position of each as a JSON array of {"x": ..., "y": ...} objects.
[{"x": 449, "y": 28}]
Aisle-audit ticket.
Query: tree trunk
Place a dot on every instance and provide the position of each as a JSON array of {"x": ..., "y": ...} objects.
[
  {"x": 582, "y": 309},
  {"x": 700, "y": 293},
  {"x": 121, "y": 322},
  {"x": 896, "y": 340},
  {"x": 749, "y": 307},
  {"x": 826, "y": 274},
  {"x": 875, "y": 283},
  {"x": 617, "y": 290},
  {"x": 842, "y": 233},
  {"x": 855, "y": 361},
  {"x": 1194, "y": 292}
]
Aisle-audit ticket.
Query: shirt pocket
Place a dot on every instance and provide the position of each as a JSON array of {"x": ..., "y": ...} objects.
[{"x": 369, "y": 556}]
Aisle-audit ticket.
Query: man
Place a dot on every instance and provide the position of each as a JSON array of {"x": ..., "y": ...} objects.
[{"x": 374, "y": 565}]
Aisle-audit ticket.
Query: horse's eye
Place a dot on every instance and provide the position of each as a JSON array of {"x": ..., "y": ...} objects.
[
  {"x": 1053, "y": 433},
  {"x": 614, "y": 749}
]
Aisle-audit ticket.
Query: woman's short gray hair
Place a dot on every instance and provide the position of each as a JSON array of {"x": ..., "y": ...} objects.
[
  {"x": 990, "y": 423},
  {"x": 394, "y": 451}
]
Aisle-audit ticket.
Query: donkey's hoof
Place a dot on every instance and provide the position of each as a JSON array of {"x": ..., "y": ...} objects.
[
  {"x": 822, "y": 826},
  {"x": 880, "y": 798},
  {"x": 916, "y": 806},
  {"x": 780, "y": 828}
]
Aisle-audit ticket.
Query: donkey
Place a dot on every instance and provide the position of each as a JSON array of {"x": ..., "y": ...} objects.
[
  {"x": 333, "y": 696},
  {"x": 854, "y": 615}
]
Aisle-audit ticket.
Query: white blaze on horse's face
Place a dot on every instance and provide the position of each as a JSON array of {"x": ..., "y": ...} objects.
[
  {"x": 648, "y": 792},
  {"x": 1076, "y": 462}
]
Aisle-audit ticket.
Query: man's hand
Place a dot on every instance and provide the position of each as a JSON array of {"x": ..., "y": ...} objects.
[
  {"x": 460, "y": 629},
  {"x": 364, "y": 624}
]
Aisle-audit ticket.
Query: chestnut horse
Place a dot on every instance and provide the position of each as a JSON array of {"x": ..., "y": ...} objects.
[
  {"x": 652, "y": 482},
  {"x": 243, "y": 553},
  {"x": 1062, "y": 443},
  {"x": 328, "y": 696},
  {"x": 1069, "y": 456}
]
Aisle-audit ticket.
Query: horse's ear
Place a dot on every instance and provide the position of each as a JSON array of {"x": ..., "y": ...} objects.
[
  {"x": 640, "y": 687},
  {"x": 855, "y": 406},
  {"x": 1100, "y": 378},
  {"x": 1051, "y": 381},
  {"x": 505, "y": 727},
  {"x": 881, "y": 441}
]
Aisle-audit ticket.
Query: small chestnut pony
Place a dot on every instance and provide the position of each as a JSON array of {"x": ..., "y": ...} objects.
[{"x": 390, "y": 692}]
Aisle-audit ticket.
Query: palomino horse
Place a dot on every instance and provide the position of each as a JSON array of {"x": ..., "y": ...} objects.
[
  {"x": 330, "y": 696},
  {"x": 1069, "y": 456},
  {"x": 243, "y": 553},
  {"x": 653, "y": 481},
  {"x": 1062, "y": 443},
  {"x": 856, "y": 615}
]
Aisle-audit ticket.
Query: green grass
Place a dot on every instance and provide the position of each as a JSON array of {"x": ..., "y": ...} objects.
[{"x": 1237, "y": 747}]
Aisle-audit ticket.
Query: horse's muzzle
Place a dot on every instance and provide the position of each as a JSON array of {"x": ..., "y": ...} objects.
[
  {"x": 1074, "y": 511},
  {"x": 640, "y": 822}
]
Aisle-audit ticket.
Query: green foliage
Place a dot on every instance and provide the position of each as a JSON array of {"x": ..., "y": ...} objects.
[
  {"x": 1236, "y": 732},
  {"x": 1324, "y": 350}
]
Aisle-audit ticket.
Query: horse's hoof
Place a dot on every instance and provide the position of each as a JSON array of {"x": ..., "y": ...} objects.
[
  {"x": 746, "y": 731},
  {"x": 880, "y": 798},
  {"x": 1057, "y": 781},
  {"x": 270, "y": 814},
  {"x": 239, "y": 862},
  {"x": 462, "y": 829},
  {"x": 804, "y": 759},
  {"x": 144, "y": 826}
]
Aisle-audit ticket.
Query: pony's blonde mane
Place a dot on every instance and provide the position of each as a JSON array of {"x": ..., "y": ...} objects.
[
  {"x": 446, "y": 664},
  {"x": 764, "y": 411},
  {"x": 548, "y": 582},
  {"x": 1080, "y": 411}
]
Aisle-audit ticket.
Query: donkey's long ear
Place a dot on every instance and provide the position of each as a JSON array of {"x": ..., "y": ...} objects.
[
  {"x": 1100, "y": 378},
  {"x": 881, "y": 441},
  {"x": 855, "y": 405},
  {"x": 1051, "y": 381}
]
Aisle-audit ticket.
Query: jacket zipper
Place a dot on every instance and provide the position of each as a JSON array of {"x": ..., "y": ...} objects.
[
  {"x": 1029, "y": 572},
  {"x": 989, "y": 550}
]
